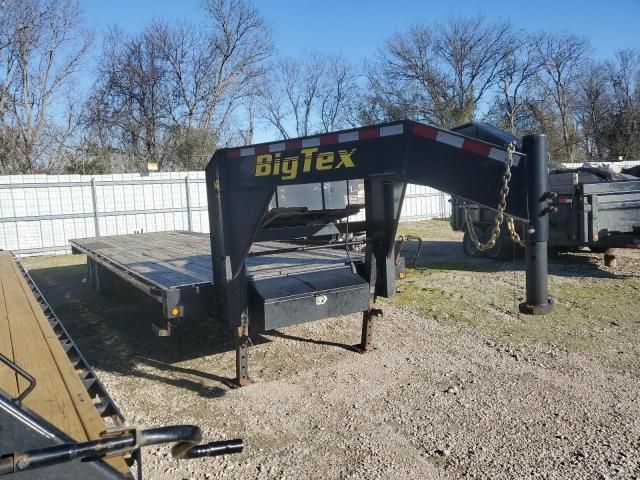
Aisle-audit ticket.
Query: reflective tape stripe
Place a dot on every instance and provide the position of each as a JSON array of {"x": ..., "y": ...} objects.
[
  {"x": 329, "y": 139},
  {"x": 497, "y": 154},
  {"x": 425, "y": 131},
  {"x": 419, "y": 129},
  {"x": 453, "y": 140},
  {"x": 276, "y": 147},
  {"x": 367, "y": 133},
  {"x": 476, "y": 147},
  {"x": 294, "y": 144},
  {"x": 348, "y": 137},
  {"x": 391, "y": 130},
  {"x": 310, "y": 142},
  {"x": 501, "y": 156},
  {"x": 261, "y": 149}
]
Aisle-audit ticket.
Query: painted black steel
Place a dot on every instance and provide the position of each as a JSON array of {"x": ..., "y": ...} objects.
[
  {"x": 186, "y": 440},
  {"x": 239, "y": 191},
  {"x": 537, "y": 301},
  {"x": 23, "y": 430},
  {"x": 23, "y": 373}
]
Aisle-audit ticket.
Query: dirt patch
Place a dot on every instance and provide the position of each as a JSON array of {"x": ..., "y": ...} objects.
[{"x": 459, "y": 385}]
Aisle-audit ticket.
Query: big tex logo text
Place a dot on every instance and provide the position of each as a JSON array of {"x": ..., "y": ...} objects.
[{"x": 309, "y": 159}]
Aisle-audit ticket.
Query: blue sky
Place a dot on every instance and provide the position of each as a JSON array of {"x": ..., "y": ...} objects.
[{"x": 357, "y": 27}]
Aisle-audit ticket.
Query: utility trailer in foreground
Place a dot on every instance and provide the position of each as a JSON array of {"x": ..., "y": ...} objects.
[
  {"x": 593, "y": 207},
  {"x": 268, "y": 279},
  {"x": 56, "y": 419}
]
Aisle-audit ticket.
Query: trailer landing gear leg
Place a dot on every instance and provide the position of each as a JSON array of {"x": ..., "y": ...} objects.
[
  {"x": 366, "y": 343},
  {"x": 538, "y": 301},
  {"x": 242, "y": 342}
]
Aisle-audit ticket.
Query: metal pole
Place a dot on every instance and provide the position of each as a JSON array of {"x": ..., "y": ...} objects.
[
  {"x": 94, "y": 199},
  {"x": 537, "y": 301},
  {"x": 187, "y": 189}
]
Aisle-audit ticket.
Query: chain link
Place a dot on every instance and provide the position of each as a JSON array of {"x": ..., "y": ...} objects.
[{"x": 502, "y": 205}]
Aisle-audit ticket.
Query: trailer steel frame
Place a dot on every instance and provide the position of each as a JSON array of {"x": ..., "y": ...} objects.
[{"x": 242, "y": 181}]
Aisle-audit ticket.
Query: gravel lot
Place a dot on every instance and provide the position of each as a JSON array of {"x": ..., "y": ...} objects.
[{"x": 459, "y": 385}]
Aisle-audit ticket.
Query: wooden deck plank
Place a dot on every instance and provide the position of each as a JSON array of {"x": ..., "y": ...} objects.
[
  {"x": 86, "y": 412},
  {"x": 175, "y": 259},
  {"x": 8, "y": 378},
  {"x": 50, "y": 398}
]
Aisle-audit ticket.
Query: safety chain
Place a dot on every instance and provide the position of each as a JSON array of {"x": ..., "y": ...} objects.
[
  {"x": 514, "y": 233},
  {"x": 502, "y": 205}
]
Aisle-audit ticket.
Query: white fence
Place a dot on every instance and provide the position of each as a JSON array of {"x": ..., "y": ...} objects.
[{"x": 41, "y": 213}]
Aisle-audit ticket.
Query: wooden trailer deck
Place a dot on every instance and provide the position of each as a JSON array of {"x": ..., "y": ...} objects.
[
  {"x": 27, "y": 338},
  {"x": 179, "y": 259},
  {"x": 175, "y": 268}
]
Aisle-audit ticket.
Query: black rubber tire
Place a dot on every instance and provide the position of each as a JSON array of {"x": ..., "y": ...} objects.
[
  {"x": 469, "y": 247},
  {"x": 503, "y": 249}
]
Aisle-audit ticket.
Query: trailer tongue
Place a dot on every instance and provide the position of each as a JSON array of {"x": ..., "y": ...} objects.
[{"x": 242, "y": 181}]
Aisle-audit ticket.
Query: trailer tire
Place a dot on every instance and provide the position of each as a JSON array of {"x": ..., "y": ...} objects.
[
  {"x": 468, "y": 246},
  {"x": 596, "y": 249},
  {"x": 503, "y": 249}
]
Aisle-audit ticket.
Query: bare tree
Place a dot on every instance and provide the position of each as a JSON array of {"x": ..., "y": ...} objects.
[
  {"x": 624, "y": 131},
  {"x": 131, "y": 98},
  {"x": 440, "y": 73},
  {"x": 521, "y": 65},
  {"x": 167, "y": 95},
  {"x": 474, "y": 52},
  {"x": 562, "y": 57},
  {"x": 308, "y": 95},
  {"x": 409, "y": 78},
  {"x": 41, "y": 48},
  {"x": 594, "y": 108}
]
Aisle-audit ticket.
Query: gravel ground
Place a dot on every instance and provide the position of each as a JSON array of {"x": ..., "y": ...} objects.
[{"x": 459, "y": 385}]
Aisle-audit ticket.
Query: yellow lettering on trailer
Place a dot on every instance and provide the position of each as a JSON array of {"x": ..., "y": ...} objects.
[
  {"x": 263, "y": 165},
  {"x": 345, "y": 158},
  {"x": 290, "y": 168},
  {"x": 324, "y": 161},
  {"x": 309, "y": 159}
]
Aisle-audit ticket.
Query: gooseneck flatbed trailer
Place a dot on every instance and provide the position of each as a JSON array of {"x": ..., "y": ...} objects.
[{"x": 271, "y": 284}]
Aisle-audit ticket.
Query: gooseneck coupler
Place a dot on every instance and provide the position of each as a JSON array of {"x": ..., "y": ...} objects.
[{"x": 537, "y": 301}]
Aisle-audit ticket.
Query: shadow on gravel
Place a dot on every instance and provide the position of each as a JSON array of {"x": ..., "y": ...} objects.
[
  {"x": 114, "y": 333},
  {"x": 448, "y": 255},
  {"x": 277, "y": 333}
]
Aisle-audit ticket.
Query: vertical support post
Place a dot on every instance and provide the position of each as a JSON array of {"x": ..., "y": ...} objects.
[
  {"x": 94, "y": 200},
  {"x": 187, "y": 191},
  {"x": 366, "y": 342},
  {"x": 537, "y": 301},
  {"x": 241, "y": 339},
  {"x": 383, "y": 201}
]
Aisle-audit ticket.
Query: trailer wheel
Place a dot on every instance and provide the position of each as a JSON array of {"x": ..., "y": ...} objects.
[
  {"x": 468, "y": 246},
  {"x": 503, "y": 249}
]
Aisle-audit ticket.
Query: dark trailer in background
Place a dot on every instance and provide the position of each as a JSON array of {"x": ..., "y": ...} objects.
[
  {"x": 258, "y": 271},
  {"x": 593, "y": 207}
]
